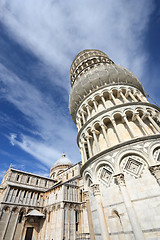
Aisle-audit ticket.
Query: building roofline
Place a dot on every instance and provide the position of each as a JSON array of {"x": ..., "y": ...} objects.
[{"x": 33, "y": 174}]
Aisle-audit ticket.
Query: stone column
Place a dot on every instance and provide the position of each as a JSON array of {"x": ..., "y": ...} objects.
[
  {"x": 112, "y": 97},
  {"x": 7, "y": 223},
  {"x": 83, "y": 118},
  {"x": 33, "y": 198},
  {"x": 6, "y": 194},
  {"x": 63, "y": 220},
  {"x": 155, "y": 171},
  {"x": 89, "y": 145},
  {"x": 15, "y": 226},
  {"x": 66, "y": 222},
  {"x": 69, "y": 221},
  {"x": 116, "y": 130},
  {"x": 142, "y": 124},
  {"x": 14, "y": 195},
  {"x": 105, "y": 134},
  {"x": 138, "y": 95},
  {"x": 10, "y": 195},
  {"x": 26, "y": 197},
  {"x": 88, "y": 110},
  {"x": 95, "y": 105},
  {"x": 132, "y": 96},
  {"x": 74, "y": 220},
  {"x": 79, "y": 120},
  {"x": 120, "y": 181},
  {"x": 78, "y": 123},
  {"x": 95, "y": 139},
  {"x": 103, "y": 100},
  {"x": 100, "y": 210},
  {"x": 129, "y": 127},
  {"x": 153, "y": 122},
  {"x": 123, "y": 97},
  {"x": 83, "y": 151},
  {"x": 89, "y": 215}
]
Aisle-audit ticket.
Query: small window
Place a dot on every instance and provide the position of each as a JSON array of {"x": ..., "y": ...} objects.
[
  {"x": 72, "y": 173},
  {"x": 37, "y": 182},
  {"x": 56, "y": 196},
  {"x": 67, "y": 176},
  {"x": 28, "y": 179},
  {"x": 17, "y": 177},
  {"x": 45, "y": 183}
]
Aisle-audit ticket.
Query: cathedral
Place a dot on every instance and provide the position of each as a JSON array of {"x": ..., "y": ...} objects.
[{"x": 114, "y": 193}]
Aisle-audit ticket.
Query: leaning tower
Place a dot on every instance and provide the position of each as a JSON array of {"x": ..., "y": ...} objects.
[{"x": 119, "y": 141}]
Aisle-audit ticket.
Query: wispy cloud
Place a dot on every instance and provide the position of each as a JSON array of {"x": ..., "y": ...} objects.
[
  {"x": 55, "y": 31},
  {"x": 42, "y": 152},
  {"x": 55, "y": 130}
]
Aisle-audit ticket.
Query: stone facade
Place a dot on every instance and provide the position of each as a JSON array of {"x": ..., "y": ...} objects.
[
  {"x": 58, "y": 204},
  {"x": 115, "y": 192},
  {"x": 119, "y": 141}
]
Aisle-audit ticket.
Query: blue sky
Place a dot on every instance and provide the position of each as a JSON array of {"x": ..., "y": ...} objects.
[{"x": 38, "y": 41}]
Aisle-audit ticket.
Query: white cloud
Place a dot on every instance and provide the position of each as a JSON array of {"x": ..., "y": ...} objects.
[
  {"x": 56, "y": 30},
  {"x": 56, "y": 132},
  {"x": 45, "y": 154}
]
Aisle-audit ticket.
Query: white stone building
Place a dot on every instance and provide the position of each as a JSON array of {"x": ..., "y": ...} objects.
[
  {"x": 115, "y": 193},
  {"x": 119, "y": 140},
  {"x": 41, "y": 208}
]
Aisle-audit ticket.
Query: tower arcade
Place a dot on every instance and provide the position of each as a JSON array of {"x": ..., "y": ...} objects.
[{"x": 119, "y": 141}]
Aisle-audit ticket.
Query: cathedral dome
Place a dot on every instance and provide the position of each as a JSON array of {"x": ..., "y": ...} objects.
[
  {"x": 63, "y": 161},
  {"x": 93, "y": 69},
  {"x": 60, "y": 166}
]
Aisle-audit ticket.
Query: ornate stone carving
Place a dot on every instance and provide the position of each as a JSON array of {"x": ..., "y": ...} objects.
[
  {"x": 119, "y": 179},
  {"x": 155, "y": 171},
  {"x": 133, "y": 166},
  {"x": 95, "y": 189},
  {"x": 105, "y": 175}
]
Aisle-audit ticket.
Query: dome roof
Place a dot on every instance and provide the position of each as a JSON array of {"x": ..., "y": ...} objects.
[
  {"x": 62, "y": 161},
  {"x": 92, "y": 69}
]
